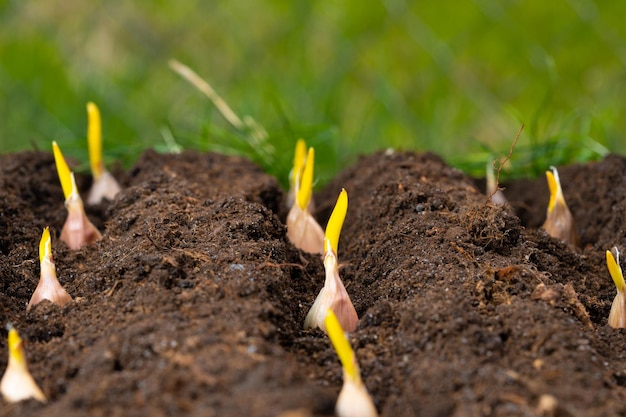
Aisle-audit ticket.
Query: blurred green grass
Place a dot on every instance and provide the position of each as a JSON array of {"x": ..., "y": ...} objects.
[{"x": 455, "y": 78}]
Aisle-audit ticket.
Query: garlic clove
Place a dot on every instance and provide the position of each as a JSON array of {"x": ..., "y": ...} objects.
[
  {"x": 103, "y": 188},
  {"x": 304, "y": 231},
  {"x": 559, "y": 220},
  {"x": 353, "y": 400},
  {"x": 78, "y": 230},
  {"x": 333, "y": 296},
  {"x": 617, "y": 316},
  {"x": 104, "y": 185},
  {"x": 48, "y": 287},
  {"x": 617, "y": 319},
  {"x": 17, "y": 384}
]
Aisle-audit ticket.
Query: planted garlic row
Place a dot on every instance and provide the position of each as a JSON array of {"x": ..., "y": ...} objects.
[
  {"x": 17, "y": 384},
  {"x": 332, "y": 310},
  {"x": 560, "y": 224}
]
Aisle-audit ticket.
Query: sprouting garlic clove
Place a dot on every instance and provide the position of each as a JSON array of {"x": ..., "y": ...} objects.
[
  {"x": 103, "y": 188},
  {"x": 49, "y": 287},
  {"x": 78, "y": 230},
  {"x": 617, "y": 319},
  {"x": 354, "y": 400},
  {"x": 559, "y": 220},
  {"x": 304, "y": 231},
  {"x": 17, "y": 384},
  {"x": 617, "y": 316},
  {"x": 332, "y": 296},
  {"x": 104, "y": 185}
]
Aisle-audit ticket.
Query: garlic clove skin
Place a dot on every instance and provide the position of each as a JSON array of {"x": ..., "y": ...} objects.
[
  {"x": 304, "y": 231},
  {"x": 49, "y": 287},
  {"x": 17, "y": 384},
  {"x": 354, "y": 400},
  {"x": 78, "y": 229},
  {"x": 559, "y": 220},
  {"x": 560, "y": 224},
  {"x": 334, "y": 296},
  {"x": 105, "y": 187},
  {"x": 617, "y": 318}
]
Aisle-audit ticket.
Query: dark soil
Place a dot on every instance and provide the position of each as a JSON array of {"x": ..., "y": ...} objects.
[{"x": 193, "y": 302}]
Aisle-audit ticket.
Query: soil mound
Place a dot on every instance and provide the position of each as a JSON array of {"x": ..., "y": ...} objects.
[{"x": 193, "y": 302}]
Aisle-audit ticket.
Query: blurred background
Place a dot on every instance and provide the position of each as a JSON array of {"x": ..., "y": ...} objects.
[{"x": 455, "y": 78}]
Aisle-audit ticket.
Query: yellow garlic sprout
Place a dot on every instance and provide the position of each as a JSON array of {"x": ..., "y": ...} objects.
[
  {"x": 48, "y": 287},
  {"x": 559, "y": 220},
  {"x": 77, "y": 230},
  {"x": 333, "y": 295},
  {"x": 104, "y": 185},
  {"x": 17, "y": 383},
  {"x": 353, "y": 400},
  {"x": 617, "y": 316},
  {"x": 302, "y": 229},
  {"x": 296, "y": 172}
]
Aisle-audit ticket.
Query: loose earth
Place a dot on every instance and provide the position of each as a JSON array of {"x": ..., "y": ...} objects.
[{"x": 193, "y": 302}]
